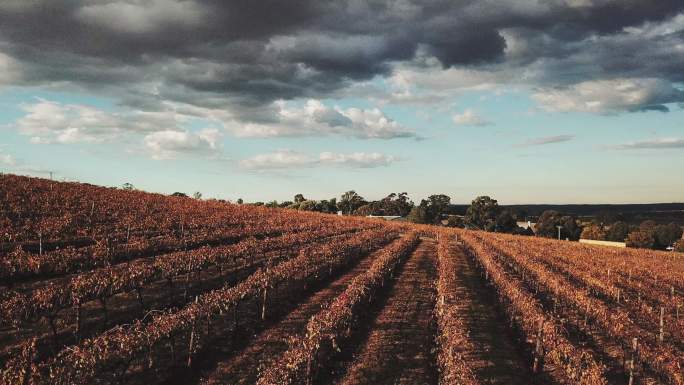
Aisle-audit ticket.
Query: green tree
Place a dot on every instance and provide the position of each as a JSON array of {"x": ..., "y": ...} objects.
[
  {"x": 179, "y": 194},
  {"x": 128, "y": 186},
  {"x": 197, "y": 195},
  {"x": 618, "y": 232},
  {"x": 418, "y": 214},
  {"x": 547, "y": 226},
  {"x": 240, "y": 201},
  {"x": 350, "y": 201},
  {"x": 436, "y": 206},
  {"x": 666, "y": 235},
  {"x": 299, "y": 198},
  {"x": 505, "y": 222},
  {"x": 482, "y": 213},
  {"x": 395, "y": 204}
]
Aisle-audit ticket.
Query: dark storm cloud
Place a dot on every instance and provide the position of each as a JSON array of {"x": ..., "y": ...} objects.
[{"x": 245, "y": 54}]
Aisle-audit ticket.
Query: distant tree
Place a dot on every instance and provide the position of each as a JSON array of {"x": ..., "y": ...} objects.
[
  {"x": 505, "y": 222},
  {"x": 455, "y": 221},
  {"x": 350, "y": 201},
  {"x": 571, "y": 229},
  {"x": 418, "y": 214},
  {"x": 436, "y": 206},
  {"x": 240, "y": 201},
  {"x": 307, "y": 206},
  {"x": 285, "y": 204},
  {"x": 618, "y": 232},
  {"x": 365, "y": 210},
  {"x": 547, "y": 226},
  {"x": 482, "y": 213},
  {"x": 395, "y": 204},
  {"x": 272, "y": 204},
  {"x": 642, "y": 239},
  {"x": 179, "y": 194},
  {"x": 594, "y": 232},
  {"x": 299, "y": 198},
  {"x": 666, "y": 235},
  {"x": 128, "y": 186},
  {"x": 648, "y": 225},
  {"x": 197, "y": 195},
  {"x": 258, "y": 204}
]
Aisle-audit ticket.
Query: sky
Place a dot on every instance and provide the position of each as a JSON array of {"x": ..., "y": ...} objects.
[{"x": 528, "y": 101}]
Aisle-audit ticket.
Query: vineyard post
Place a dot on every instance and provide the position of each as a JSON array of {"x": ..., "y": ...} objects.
[
  {"x": 40, "y": 243},
  {"x": 192, "y": 337},
  {"x": 536, "y": 367},
  {"x": 235, "y": 315},
  {"x": 678, "y": 305},
  {"x": 77, "y": 332},
  {"x": 631, "y": 361},
  {"x": 661, "y": 335},
  {"x": 263, "y": 306}
]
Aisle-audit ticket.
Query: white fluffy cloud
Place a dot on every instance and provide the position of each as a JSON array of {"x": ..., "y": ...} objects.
[
  {"x": 286, "y": 159},
  {"x": 170, "y": 144},
  {"x": 53, "y": 122},
  {"x": 609, "y": 96},
  {"x": 470, "y": 118},
  {"x": 316, "y": 119}
]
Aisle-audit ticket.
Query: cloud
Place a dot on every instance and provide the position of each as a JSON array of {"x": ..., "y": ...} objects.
[
  {"x": 316, "y": 119},
  {"x": 141, "y": 17},
  {"x": 470, "y": 118},
  {"x": 170, "y": 144},
  {"x": 53, "y": 122},
  {"x": 242, "y": 57},
  {"x": 547, "y": 140},
  {"x": 287, "y": 159},
  {"x": 7, "y": 160},
  {"x": 610, "y": 96},
  {"x": 657, "y": 144}
]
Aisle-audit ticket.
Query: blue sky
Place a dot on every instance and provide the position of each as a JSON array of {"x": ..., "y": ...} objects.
[{"x": 533, "y": 123}]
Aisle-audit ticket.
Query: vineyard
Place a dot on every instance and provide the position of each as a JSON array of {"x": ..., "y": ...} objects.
[{"x": 108, "y": 286}]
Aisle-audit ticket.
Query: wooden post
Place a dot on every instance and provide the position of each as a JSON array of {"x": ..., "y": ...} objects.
[
  {"x": 631, "y": 361},
  {"x": 618, "y": 295},
  {"x": 678, "y": 311},
  {"x": 78, "y": 322},
  {"x": 235, "y": 316},
  {"x": 661, "y": 335},
  {"x": 538, "y": 350},
  {"x": 40, "y": 243},
  {"x": 263, "y": 305},
  {"x": 192, "y": 338}
]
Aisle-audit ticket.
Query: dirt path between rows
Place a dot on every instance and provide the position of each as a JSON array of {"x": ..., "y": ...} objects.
[
  {"x": 400, "y": 347},
  {"x": 495, "y": 358}
]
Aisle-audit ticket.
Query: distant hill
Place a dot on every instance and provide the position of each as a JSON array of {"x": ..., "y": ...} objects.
[{"x": 631, "y": 213}]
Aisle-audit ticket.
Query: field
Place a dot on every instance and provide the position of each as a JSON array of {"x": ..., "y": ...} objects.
[{"x": 107, "y": 286}]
